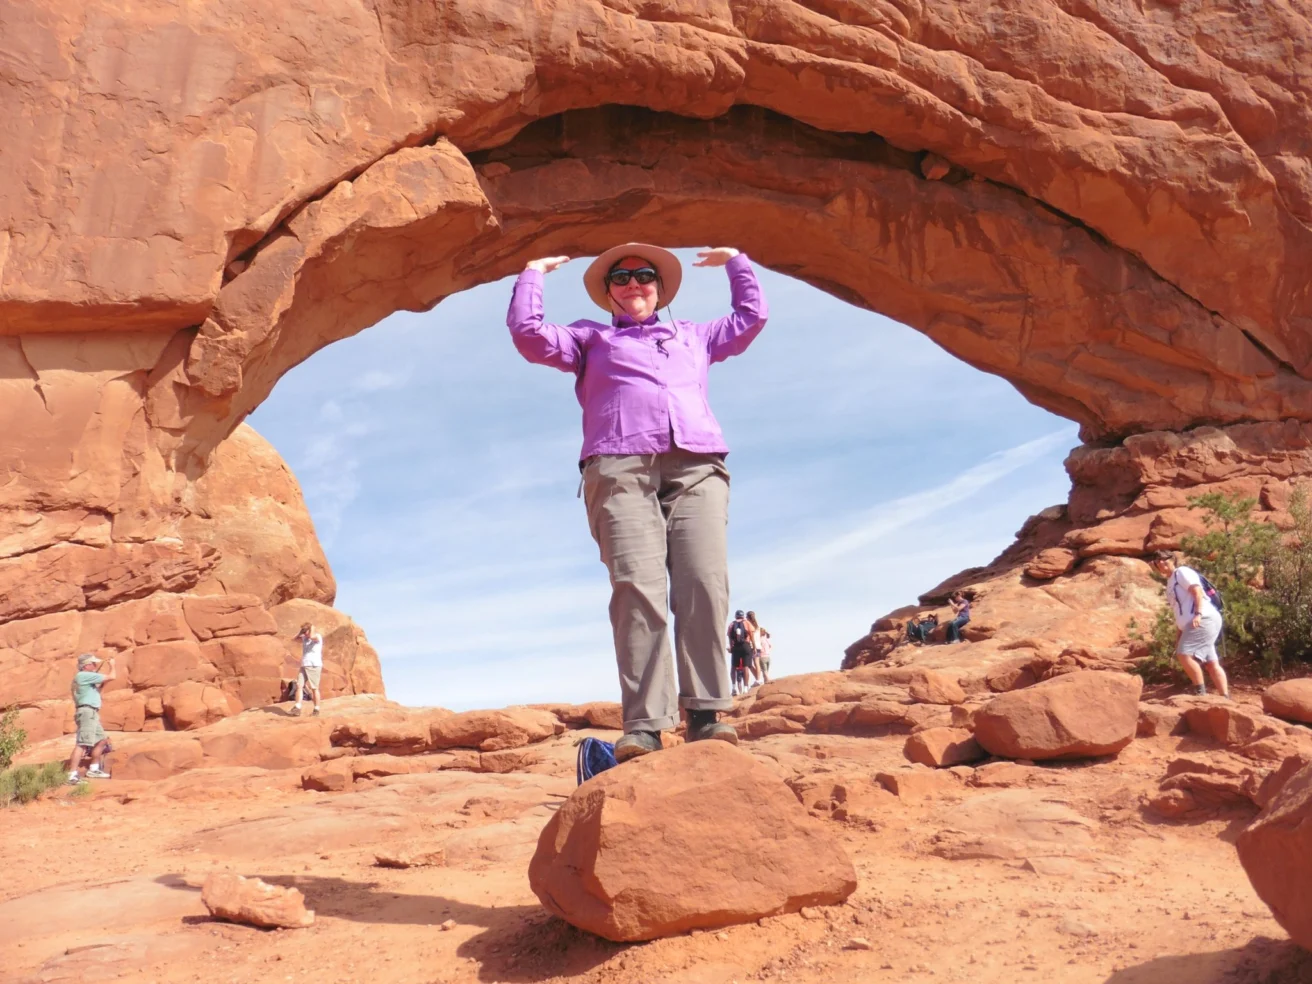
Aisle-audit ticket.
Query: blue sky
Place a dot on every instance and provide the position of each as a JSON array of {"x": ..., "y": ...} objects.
[{"x": 441, "y": 472}]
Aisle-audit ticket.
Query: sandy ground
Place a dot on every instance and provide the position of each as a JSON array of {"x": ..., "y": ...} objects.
[{"x": 1002, "y": 874}]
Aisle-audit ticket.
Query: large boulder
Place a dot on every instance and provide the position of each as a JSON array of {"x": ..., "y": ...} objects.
[
  {"x": 697, "y": 836},
  {"x": 1289, "y": 699},
  {"x": 1276, "y": 852},
  {"x": 1078, "y": 715}
]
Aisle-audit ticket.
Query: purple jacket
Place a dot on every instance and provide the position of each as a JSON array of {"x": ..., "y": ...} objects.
[{"x": 640, "y": 383}]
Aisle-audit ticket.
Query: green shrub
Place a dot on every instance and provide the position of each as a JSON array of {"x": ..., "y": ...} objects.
[
  {"x": 1160, "y": 665},
  {"x": 26, "y": 782},
  {"x": 12, "y": 738}
]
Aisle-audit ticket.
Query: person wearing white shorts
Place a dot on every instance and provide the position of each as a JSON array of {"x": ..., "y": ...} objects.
[
  {"x": 311, "y": 665},
  {"x": 1197, "y": 620}
]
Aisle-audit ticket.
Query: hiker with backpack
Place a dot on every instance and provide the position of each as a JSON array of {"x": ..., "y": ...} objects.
[
  {"x": 654, "y": 479},
  {"x": 742, "y": 651},
  {"x": 1196, "y": 605}
]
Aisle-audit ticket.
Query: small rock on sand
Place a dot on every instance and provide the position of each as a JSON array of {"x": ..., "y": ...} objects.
[{"x": 254, "y": 902}]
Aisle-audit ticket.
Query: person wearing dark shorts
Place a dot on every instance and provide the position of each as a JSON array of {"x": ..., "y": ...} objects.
[{"x": 741, "y": 652}]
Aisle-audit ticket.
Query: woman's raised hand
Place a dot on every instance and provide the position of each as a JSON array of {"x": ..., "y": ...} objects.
[
  {"x": 546, "y": 264},
  {"x": 715, "y": 256}
]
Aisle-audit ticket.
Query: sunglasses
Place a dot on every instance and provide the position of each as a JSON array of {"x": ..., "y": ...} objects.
[{"x": 643, "y": 275}]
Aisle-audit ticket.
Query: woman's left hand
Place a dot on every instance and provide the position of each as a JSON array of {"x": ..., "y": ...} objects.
[{"x": 716, "y": 256}]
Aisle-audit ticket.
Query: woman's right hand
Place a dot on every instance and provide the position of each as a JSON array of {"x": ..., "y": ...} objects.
[{"x": 546, "y": 264}]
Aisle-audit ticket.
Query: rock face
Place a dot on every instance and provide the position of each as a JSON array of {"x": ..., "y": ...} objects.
[
  {"x": 1289, "y": 699},
  {"x": 1099, "y": 207},
  {"x": 1276, "y": 851},
  {"x": 639, "y": 852},
  {"x": 254, "y": 902},
  {"x": 1078, "y": 715},
  {"x": 1126, "y": 501},
  {"x": 198, "y": 632}
]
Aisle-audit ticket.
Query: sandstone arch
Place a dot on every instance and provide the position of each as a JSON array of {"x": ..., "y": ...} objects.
[{"x": 1107, "y": 205}]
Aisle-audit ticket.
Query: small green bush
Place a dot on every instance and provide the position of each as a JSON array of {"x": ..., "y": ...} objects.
[
  {"x": 1160, "y": 665},
  {"x": 26, "y": 782},
  {"x": 12, "y": 738}
]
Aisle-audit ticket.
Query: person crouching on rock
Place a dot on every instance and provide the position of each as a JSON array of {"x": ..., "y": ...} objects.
[
  {"x": 960, "y": 616},
  {"x": 1198, "y": 621},
  {"x": 654, "y": 480},
  {"x": 311, "y": 665},
  {"x": 91, "y": 738}
]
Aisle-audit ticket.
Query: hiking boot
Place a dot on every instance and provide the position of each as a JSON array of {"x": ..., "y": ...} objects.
[
  {"x": 706, "y": 724},
  {"x": 637, "y": 743}
]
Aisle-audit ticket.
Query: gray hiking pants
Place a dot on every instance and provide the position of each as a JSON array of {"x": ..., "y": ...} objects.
[{"x": 659, "y": 516}]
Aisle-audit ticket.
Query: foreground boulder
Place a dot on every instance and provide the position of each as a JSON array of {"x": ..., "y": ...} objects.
[
  {"x": 254, "y": 902},
  {"x": 694, "y": 837},
  {"x": 1078, "y": 715},
  {"x": 1276, "y": 852},
  {"x": 1289, "y": 699}
]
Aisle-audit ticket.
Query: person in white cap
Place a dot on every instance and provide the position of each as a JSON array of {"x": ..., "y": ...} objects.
[
  {"x": 310, "y": 673},
  {"x": 90, "y": 735},
  {"x": 653, "y": 474}
]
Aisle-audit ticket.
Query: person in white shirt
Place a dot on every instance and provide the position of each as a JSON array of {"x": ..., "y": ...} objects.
[
  {"x": 311, "y": 665},
  {"x": 1197, "y": 620}
]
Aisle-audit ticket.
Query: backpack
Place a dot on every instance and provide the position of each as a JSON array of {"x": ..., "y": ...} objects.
[
  {"x": 595, "y": 756},
  {"x": 1213, "y": 595},
  {"x": 738, "y": 633}
]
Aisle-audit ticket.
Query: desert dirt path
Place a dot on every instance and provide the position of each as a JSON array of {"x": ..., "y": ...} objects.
[{"x": 1012, "y": 873}]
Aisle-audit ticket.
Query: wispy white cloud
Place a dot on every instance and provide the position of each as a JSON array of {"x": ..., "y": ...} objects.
[
  {"x": 375, "y": 380},
  {"x": 794, "y": 562}
]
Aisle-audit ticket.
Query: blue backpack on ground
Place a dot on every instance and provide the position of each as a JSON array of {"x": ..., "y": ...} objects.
[{"x": 595, "y": 757}]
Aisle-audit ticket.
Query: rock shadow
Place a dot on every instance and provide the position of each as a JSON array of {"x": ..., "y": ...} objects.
[
  {"x": 520, "y": 944},
  {"x": 1260, "y": 961}
]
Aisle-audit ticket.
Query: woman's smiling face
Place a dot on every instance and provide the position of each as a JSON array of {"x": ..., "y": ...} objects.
[{"x": 636, "y": 300}]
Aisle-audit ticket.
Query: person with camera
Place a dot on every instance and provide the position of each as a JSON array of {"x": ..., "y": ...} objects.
[
  {"x": 654, "y": 480},
  {"x": 90, "y": 738},
  {"x": 308, "y": 677},
  {"x": 960, "y": 616}
]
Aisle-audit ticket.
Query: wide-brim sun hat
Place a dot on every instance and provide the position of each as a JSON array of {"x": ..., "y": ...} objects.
[{"x": 666, "y": 263}]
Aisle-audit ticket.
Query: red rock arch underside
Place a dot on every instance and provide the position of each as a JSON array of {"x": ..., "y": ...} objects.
[{"x": 1105, "y": 205}]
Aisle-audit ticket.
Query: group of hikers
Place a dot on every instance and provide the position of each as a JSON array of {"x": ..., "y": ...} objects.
[
  {"x": 655, "y": 485},
  {"x": 750, "y": 649},
  {"x": 1195, "y": 605},
  {"x": 919, "y": 629},
  {"x": 92, "y": 746}
]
